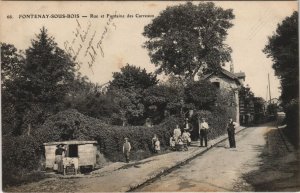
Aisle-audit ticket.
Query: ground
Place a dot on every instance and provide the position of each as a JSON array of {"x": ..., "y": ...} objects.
[{"x": 262, "y": 161}]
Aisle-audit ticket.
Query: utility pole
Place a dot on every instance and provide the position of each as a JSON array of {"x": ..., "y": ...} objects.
[
  {"x": 267, "y": 92},
  {"x": 269, "y": 87}
]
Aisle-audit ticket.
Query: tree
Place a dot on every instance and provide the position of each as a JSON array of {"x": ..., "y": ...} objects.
[
  {"x": 187, "y": 38},
  {"x": 129, "y": 103},
  {"x": 202, "y": 94},
  {"x": 283, "y": 49},
  {"x": 49, "y": 70},
  {"x": 11, "y": 63},
  {"x": 11, "y": 67},
  {"x": 259, "y": 109},
  {"x": 132, "y": 77},
  {"x": 40, "y": 84},
  {"x": 161, "y": 98}
]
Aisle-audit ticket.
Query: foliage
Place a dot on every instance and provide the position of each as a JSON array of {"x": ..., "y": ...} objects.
[
  {"x": 37, "y": 84},
  {"x": 89, "y": 101},
  {"x": 283, "y": 49},
  {"x": 159, "y": 99},
  {"x": 129, "y": 103},
  {"x": 292, "y": 121},
  {"x": 11, "y": 67},
  {"x": 71, "y": 124},
  {"x": 48, "y": 70},
  {"x": 259, "y": 107},
  {"x": 20, "y": 155},
  {"x": 201, "y": 93},
  {"x": 185, "y": 38},
  {"x": 11, "y": 63},
  {"x": 132, "y": 77}
]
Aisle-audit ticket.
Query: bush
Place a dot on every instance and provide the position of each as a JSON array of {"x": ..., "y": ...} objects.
[
  {"x": 292, "y": 121},
  {"x": 24, "y": 153},
  {"x": 20, "y": 155},
  {"x": 70, "y": 124}
]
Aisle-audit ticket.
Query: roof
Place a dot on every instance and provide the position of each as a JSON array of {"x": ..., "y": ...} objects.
[
  {"x": 240, "y": 74},
  {"x": 73, "y": 142},
  {"x": 226, "y": 73}
]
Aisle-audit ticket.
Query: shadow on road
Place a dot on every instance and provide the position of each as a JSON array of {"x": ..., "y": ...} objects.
[{"x": 279, "y": 166}]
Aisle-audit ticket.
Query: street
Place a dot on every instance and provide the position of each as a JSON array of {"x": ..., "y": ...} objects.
[{"x": 260, "y": 161}]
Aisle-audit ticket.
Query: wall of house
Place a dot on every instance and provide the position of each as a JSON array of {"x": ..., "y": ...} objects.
[
  {"x": 50, "y": 155},
  {"x": 230, "y": 85},
  {"x": 225, "y": 83},
  {"x": 87, "y": 154}
]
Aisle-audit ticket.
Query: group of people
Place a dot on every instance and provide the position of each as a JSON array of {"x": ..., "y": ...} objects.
[{"x": 181, "y": 138}]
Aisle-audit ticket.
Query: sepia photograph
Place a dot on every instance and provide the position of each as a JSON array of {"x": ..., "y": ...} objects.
[{"x": 150, "y": 96}]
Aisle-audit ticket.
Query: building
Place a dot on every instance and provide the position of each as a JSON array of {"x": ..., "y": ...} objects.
[
  {"x": 229, "y": 81},
  {"x": 84, "y": 152}
]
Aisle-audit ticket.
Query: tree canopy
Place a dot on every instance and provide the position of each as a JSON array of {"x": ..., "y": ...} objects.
[
  {"x": 186, "y": 38},
  {"x": 36, "y": 83},
  {"x": 48, "y": 69},
  {"x": 283, "y": 49},
  {"x": 132, "y": 77}
]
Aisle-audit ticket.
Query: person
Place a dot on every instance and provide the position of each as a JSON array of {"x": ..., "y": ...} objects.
[
  {"x": 177, "y": 133},
  {"x": 203, "y": 129},
  {"x": 188, "y": 126},
  {"x": 126, "y": 149},
  {"x": 59, "y": 154},
  {"x": 155, "y": 145},
  {"x": 185, "y": 139},
  {"x": 179, "y": 144},
  {"x": 172, "y": 143},
  {"x": 231, "y": 133}
]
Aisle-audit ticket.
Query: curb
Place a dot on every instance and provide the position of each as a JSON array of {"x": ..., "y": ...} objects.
[
  {"x": 286, "y": 142},
  {"x": 173, "y": 167}
]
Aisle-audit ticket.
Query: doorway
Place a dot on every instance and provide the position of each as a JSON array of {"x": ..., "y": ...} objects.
[{"x": 73, "y": 151}]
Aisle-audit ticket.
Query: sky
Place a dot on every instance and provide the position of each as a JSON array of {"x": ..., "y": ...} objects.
[{"x": 108, "y": 44}]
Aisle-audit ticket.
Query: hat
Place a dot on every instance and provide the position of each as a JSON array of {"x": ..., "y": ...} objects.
[{"x": 126, "y": 138}]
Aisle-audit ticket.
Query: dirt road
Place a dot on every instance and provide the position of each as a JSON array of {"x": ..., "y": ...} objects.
[{"x": 252, "y": 166}]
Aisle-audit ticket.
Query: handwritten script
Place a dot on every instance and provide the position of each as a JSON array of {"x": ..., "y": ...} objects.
[{"x": 88, "y": 43}]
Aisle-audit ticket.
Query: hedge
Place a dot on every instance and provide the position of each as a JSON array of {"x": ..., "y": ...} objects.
[
  {"x": 70, "y": 125},
  {"x": 292, "y": 121},
  {"x": 25, "y": 153}
]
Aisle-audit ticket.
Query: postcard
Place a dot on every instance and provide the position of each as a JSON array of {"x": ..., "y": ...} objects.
[{"x": 149, "y": 96}]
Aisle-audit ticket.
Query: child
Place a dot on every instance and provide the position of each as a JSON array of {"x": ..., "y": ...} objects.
[
  {"x": 157, "y": 146},
  {"x": 154, "y": 140},
  {"x": 180, "y": 144},
  {"x": 172, "y": 143},
  {"x": 126, "y": 149},
  {"x": 185, "y": 139}
]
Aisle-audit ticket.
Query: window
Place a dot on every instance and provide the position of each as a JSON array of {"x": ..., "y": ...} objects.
[
  {"x": 73, "y": 151},
  {"x": 217, "y": 84}
]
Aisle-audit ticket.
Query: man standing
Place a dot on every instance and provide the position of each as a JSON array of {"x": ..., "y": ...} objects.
[
  {"x": 203, "y": 127},
  {"x": 126, "y": 149},
  {"x": 59, "y": 154},
  {"x": 231, "y": 133}
]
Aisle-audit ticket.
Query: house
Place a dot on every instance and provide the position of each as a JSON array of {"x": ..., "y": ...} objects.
[
  {"x": 229, "y": 81},
  {"x": 84, "y": 151}
]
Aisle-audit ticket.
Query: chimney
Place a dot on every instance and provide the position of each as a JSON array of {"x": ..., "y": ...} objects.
[{"x": 231, "y": 67}]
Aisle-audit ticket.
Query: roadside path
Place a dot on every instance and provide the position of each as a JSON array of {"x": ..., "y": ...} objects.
[
  {"x": 261, "y": 162},
  {"x": 118, "y": 177}
]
